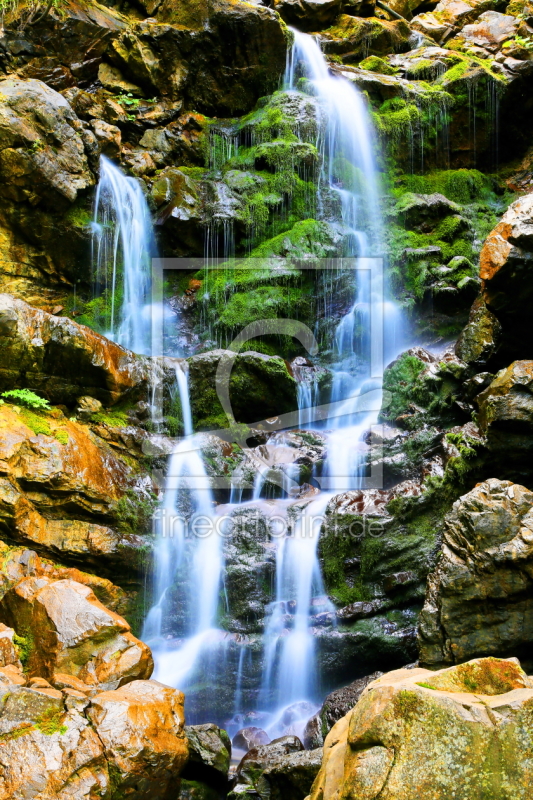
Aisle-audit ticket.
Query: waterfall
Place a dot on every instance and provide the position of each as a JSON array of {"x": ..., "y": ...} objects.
[
  {"x": 123, "y": 246},
  {"x": 346, "y": 146},
  {"x": 187, "y": 559},
  {"x": 189, "y": 575}
]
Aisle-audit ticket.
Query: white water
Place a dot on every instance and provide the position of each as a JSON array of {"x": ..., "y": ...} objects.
[
  {"x": 289, "y": 684},
  {"x": 184, "y": 553},
  {"x": 123, "y": 246}
]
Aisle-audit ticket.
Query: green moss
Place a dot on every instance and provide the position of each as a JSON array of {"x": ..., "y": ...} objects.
[
  {"x": 455, "y": 73},
  {"x": 134, "y": 512},
  {"x": 35, "y": 422},
  {"x": 113, "y": 418},
  {"x": 25, "y": 645},
  {"x": 376, "y": 64},
  {"x": 62, "y": 437},
  {"x": 50, "y": 722},
  {"x": 400, "y": 384}
]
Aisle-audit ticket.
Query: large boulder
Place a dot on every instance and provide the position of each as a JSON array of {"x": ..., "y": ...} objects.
[
  {"x": 219, "y": 59},
  {"x": 281, "y": 770},
  {"x": 260, "y": 387},
  {"x": 43, "y": 145},
  {"x": 479, "y": 340},
  {"x": 64, "y": 491},
  {"x": 209, "y": 755},
  {"x": 141, "y": 729},
  {"x": 479, "y": 598},
  {"x": 63, "y": 360},
  {"x": 48, "y": 162},
  {"x": 59, "y": 745},
  {"x": 423, "y": 734},
  {"x": 66, "y": 46},
  {"x": 68, "y": 631},
  {"x": 314, "y": 15},
  {"x": 506, "y": 413},
  {"x": 506, "y": 269}
]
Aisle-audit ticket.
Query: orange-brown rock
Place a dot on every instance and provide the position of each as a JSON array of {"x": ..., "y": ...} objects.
[
  {"x": 506, "y": 271},
  {"x": 53, "y": 748},
  {"x": 63, "y": 360},
  {"x": 55, "y": 475},
  {"x": 69, "y": 631},
  {"x": 141, "y": 728},
  {"x": 421, "y": 734}
]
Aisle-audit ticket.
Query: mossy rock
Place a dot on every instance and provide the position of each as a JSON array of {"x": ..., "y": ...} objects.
[{"x": 260, "y": 387}]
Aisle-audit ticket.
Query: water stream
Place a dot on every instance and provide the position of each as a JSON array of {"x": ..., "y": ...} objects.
[
  {"x": 123, "y": 247},
  {"x": 189, "y": 573}
]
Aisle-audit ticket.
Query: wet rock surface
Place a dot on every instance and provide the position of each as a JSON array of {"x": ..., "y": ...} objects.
[{"x": 279, "y": 769}]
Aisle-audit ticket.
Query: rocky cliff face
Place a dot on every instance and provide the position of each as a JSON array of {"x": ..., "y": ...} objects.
[{"x": 436, "y": 565}]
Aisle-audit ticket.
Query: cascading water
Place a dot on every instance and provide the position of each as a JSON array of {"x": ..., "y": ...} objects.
[
  {"x": 189, "y": 570},
  {"x": 123, "y": 246},
  {"x": 183, "y": 556}
]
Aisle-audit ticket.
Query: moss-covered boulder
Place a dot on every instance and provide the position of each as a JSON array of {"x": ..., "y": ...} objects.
[
  {"x": 260, "y": 387},
  {"x": 479, "y": 340},
  {"x": 353, "y": 38},
  {"x": 469, "y": 725},
  {"x": 219, "y": 58}
]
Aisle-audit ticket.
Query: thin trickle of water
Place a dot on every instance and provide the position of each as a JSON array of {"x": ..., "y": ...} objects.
[
  {"x": 184, "y": 555},
  {"x": 123, "y": 246}
]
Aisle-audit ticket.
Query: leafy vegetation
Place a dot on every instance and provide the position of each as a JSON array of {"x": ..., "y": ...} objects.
[{"x": 27, "y": 398}]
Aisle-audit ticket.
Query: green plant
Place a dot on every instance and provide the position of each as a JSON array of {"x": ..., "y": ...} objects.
[
  {"x": 128, "y": 100},
  {"x": 520, "y": 41},
  {"x": 26, "y": 398}
]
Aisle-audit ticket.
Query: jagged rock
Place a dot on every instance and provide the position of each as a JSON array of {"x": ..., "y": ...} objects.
[
  {"x": 179, "y": 208},
  {"x": 310, "y": 15},
  {"x": 8, "y": 652},
  {"x": 360, "y": 610},
  {"x": 43, "y": 157},
  {"x": 108, "y": 137},
  {"x": 335, "y": 706},
  {"x": 58, "y": 744},
  {"x": 281, "y": 770},
  {"x": 209, "y": 755},
  {"x": 353, "y": 38},
  {"x": 506, "y": 264},
  {"x": 69, "y": 631},
  {"x": 479, "y": 340},
  {"x": 66, "y": 46},
  {"x": 479, "y": 598},
  {"x": 88, "y": 480},
  {"x": 220, "y": 60},
  {"x": 449, "y": 14},
  {"x": 62, "y": 359},
  {"x": 141, "y": 729},
  {"x": 260, "y": 387},
  {"x": 464, "y": 725},
  {"x": 506, "y": 411},
  {"x": 490, "y": 31},
  {"x": 111, "y": 78}
]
